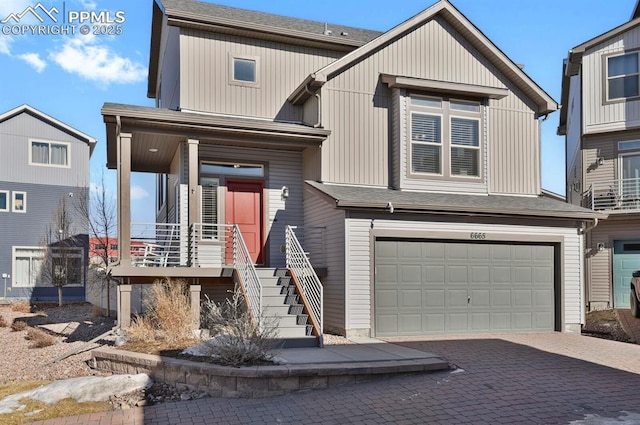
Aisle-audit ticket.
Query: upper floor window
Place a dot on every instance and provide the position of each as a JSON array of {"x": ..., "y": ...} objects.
[
  {"x": 445, "y": 137},
  {"x": 54, "y": 154},
  {"x": 19, "y": 202},
  {"x": 244, "y": 70},
  {"x": 4, "y": 200},
  {"x": 623, "y": 76}
]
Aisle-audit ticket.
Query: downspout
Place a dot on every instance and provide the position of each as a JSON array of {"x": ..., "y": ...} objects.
[
  {"x": 318, "y": 124},
  {"x": 583, "y": 230},
  {"x": 587, "y": 228}
]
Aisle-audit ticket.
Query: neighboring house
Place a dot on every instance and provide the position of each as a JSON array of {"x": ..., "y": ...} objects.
[
  {"x": 101, "y": 247},
  {"x": 44, "y": 164},
  {"x": 407, "y": 163},
  {"x": 600, "y": 117}
]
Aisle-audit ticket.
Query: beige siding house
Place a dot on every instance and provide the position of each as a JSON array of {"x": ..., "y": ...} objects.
[
  {"x": 600, "y": 119},
  {"x": 371, "y": 184}
]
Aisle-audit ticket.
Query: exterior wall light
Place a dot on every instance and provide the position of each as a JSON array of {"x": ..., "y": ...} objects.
[
  {"x": 284, "y": 192},
  {"x": 601, "y": 246},
  {"x": 601, "y": 161}
]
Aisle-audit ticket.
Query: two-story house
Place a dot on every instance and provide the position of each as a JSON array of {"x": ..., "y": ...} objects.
[
  {"x": 600, "y": 119},
  {"x": 44, "y": 164},
  {"x": 405, "y": 163}
]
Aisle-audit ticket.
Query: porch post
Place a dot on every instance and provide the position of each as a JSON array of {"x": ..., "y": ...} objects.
[
  {"x": 194, "y": 201},
  {"x": 124, "y": 198},
  {"x": 124, "y": 306},
  {"x": 195, "y": 304}
]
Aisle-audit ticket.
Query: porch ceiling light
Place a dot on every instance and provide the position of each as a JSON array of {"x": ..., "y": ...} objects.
[{"x": 153, "y": 150}]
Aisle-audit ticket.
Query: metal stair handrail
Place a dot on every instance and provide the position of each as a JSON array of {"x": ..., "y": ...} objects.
[
  {"x": 300, "y": 266},
  {"x": 249, "y": 280}
]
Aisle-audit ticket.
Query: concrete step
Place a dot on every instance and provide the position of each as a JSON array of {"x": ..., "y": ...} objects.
[
  {"x": 291, "y": 332},
  {"x": 298, "y": 342},
  {"x": 284, "y": 321}
]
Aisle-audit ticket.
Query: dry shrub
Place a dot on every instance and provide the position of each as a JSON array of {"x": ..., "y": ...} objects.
[
  {"x": 168, "y": 313},
  {"x": 39, "y": 338},
  {"x": 238, "y": 339},
  {"x": 18, "y": 326},
  {"x": 141, "y": 329},
  {"x": 3, "y": 322},
  {"x": 21, "y": 306}
]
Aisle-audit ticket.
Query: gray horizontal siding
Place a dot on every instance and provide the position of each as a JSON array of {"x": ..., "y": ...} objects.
[
  {"x": 28, "y": 230},
  {"x": 320, "y": 214},
  {"x": 14, "y": 160}
]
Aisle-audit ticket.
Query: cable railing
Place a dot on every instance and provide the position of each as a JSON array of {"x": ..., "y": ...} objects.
[
  {"x": 311, "y": 287},
  {"x": 622, "y": 194},
  {"x": 243, "y": 263},
  {"x": 159, "y": 245}
]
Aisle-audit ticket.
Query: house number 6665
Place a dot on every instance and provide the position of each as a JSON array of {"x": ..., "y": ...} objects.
[{"x": 479, "y": 236}]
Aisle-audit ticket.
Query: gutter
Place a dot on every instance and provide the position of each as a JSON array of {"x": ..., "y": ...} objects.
[{"x": 584, "y": 229}]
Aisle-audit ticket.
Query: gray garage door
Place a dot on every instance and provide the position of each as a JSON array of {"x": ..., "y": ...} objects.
[{"x": 436, "y": 287}]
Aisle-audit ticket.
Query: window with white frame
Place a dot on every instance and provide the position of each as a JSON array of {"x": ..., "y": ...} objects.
[
  {"x": 19, "y": 203},
  {"x": 244, "y": 70},
  {"x": 623, "y": 76},
  {"x": 27, "y": 266},
  {"x": 53, "y": 154},
  {"x": 445, "y": 137},
  {"x": 4, "y": 201}
]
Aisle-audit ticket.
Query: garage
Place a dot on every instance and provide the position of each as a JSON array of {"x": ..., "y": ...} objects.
[{"x": 425, "y": 287}]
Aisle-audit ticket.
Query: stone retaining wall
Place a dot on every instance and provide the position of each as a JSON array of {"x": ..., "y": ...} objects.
[{"x": 255, "y": 381}]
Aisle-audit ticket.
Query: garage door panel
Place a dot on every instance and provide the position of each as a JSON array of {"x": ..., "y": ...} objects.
[
  {"x": 457, "y": 274},
  {"x": 433, "y": 287}
]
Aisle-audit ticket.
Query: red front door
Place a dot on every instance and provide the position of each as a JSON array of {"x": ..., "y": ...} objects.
[{"x": 244, "y": 208}]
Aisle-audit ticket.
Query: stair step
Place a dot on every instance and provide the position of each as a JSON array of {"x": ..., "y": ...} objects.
[
  {"x": 290, "y": 332},
  {"x": 301, "y": 319},
  {"x": 297, "y": 342},
  {"x": 281, "y": 321},
  {"x": 269, "y": 291}
]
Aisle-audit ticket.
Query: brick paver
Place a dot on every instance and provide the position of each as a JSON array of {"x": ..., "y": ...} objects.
[
  {"x": 525, "y": 379},
  {"x": 630, "y": 324}
]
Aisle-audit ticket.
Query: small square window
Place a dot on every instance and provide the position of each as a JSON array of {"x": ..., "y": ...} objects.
[
  {"x": 19, "y": 202},
  {"x": 4, "y": 200},
  {"x": 244, "y": 70}
]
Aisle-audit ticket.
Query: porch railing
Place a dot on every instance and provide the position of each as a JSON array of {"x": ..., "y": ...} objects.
[
  {"x": 311, "y": 287},
  {"x": 159, "y": 245},
  {"x": 622, "y": 194},
  {"x": 243, "y": 263},
  {"x": 211, "y": 245}
]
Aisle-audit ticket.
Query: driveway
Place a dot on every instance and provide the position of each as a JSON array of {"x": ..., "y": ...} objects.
[{"x": 548, "y": 378}]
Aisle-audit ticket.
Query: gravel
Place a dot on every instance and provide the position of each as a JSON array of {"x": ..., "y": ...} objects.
[{"x": 71, "y": 325}]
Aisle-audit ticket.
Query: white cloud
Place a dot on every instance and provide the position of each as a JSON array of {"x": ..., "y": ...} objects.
[
  {"x": 34, "y": 60},
  {"x": 93, "y": 61},
  {"x": 5, "y": 44},
  {"x": 138, "y": 192},
  {"x": 88, "y": 4}
]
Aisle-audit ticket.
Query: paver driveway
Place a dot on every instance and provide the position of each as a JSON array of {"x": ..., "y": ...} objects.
[{"x": 536, "y": 378}]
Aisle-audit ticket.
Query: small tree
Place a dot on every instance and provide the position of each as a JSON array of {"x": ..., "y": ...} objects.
[
  {"x": 62, "y": 245},
  {"x": 98, "y": 212}
]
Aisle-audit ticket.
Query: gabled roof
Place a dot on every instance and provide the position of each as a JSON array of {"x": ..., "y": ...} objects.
[
  {"x": 250, "y": 23},
  {"x": 51, "y": 121},
  {"x": 357, "y": 197},
  {"x": 544, "y": 101},
  {"x": 572, "y": 64}
]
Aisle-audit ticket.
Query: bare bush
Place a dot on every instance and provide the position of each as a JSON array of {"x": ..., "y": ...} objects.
[
  {"x": 238, "y": 340},
  {"x": 141, "y": 329},
  {"x": 168, "y": 312},
  {"x": 21, "y": 306},
  {"x": 18, "y": 326},
  {"x": 39, "y": 338},
  {"x": 3, "y": 322}
]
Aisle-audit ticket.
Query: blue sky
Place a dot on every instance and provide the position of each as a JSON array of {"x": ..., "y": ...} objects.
[{"x": 70, "y": 77}]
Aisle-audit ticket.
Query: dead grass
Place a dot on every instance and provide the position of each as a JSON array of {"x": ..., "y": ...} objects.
[
  {"x": 19, "y": 387},
  {"x": 21, "y": 306},
  {"x": 19, "y": 326},
  {"x": 41, "y": 411},
  {"x": 168, "y": 315},
  {"x": 39, "y": 338},
  {"x": 3, "y": 322}
]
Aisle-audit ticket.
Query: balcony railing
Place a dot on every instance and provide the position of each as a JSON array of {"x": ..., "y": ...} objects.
[
  {"x": 623, "y": 194},
  {"x": 159, "y": 245}
]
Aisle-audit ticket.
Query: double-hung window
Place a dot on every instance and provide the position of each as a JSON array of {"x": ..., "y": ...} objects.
[
  {"x": 53, "y": 154},
  {"x": 445, "y": 137},
  {"x": 623, "y": 76}
]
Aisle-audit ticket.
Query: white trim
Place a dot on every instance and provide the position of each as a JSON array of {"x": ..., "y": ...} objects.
[
  {"x": 411, "y": 142},
  {"x": 232, "y": 62},
  {"x": 476, "y": 148},
  {"x": 7, "y": 200},
  {"x": 13, "y": 202},
  {"x": 50, "y": 143}
]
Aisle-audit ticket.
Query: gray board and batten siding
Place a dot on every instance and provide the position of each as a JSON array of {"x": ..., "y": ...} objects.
[{"x": 356, "y": 108}]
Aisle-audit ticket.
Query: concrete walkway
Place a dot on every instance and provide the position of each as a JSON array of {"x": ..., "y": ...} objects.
[{"x": 544, "y": 378}]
